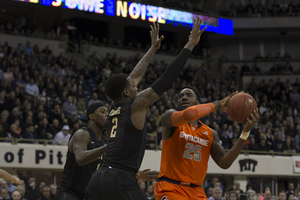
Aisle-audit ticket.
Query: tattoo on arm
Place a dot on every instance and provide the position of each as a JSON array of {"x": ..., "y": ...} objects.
[
  {"x": 141, "y": 103},
  {"x": 145, "y": 98},
  {"x": 85, "y": 138}
]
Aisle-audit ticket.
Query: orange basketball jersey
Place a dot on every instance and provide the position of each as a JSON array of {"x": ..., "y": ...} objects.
[{"x": 185, "y": 155}]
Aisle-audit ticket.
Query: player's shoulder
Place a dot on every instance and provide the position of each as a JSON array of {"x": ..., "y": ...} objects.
[
  {"x": 82, "y": 132},
  {"x": 215, "y": 134},
  {"x": 168, "y": 113}
]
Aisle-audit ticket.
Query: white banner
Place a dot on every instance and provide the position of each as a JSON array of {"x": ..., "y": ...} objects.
[
  {"x": 244, "y": 165},
  {"x": 296, "y": 161},
  {"x": 53, "y": 157},
  {"x": 32, "y": 156}
]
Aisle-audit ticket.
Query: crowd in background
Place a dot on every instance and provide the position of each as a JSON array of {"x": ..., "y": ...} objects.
[
  {"x": 27, "y": 190},
  {"x": 30, "y": 189},
  {"x": 281, "y": 8},
  {"x": 45, "y": 97}
]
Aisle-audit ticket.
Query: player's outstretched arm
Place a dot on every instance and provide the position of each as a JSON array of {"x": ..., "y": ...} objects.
[
  {"x": 218, "y": 153},
  {"x": 139, "y": 70},
  {"x": 173, "y": 118},
  {"x": 78, "y": 146},
  {"x": 152, "y": 94},
  {"x": 6, "y": 176}
]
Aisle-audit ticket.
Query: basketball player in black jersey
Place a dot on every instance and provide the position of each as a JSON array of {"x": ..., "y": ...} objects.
[
  {"x": 127, "y": 124},
  {"x": 85, "y": 150}
]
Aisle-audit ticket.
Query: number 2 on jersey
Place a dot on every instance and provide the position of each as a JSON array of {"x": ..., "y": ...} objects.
[
  {"x": 115, "y": 126},
  {"x": 192, "y": 148}
]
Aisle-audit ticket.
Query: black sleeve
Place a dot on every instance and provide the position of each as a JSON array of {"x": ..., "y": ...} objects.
[{"x": 171, "y": 72}]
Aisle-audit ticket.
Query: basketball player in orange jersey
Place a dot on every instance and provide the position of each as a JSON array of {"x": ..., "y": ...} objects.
[{"x": 187, "y": 144}]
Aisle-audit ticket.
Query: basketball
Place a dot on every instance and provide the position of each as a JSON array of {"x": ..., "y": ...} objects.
[{"x": 240, "y": 106}]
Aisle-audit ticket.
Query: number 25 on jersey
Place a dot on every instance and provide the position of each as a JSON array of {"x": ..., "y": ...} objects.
[
  {"x": 114, "y": 128},
  {"x": 189, "y": 152}
]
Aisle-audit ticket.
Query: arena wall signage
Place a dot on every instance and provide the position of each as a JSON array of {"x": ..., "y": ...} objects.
[
  {"x": 32, "y": 156},
  {"x": 137, "y": 11},
  {"x": 247, "y": 165},
  {"x": 296, "y": 163}
]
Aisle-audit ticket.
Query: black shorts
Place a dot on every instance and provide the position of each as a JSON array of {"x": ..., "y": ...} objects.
[
  {"x": 65, "y": 194},
  {"x": 113, "y": 184}
]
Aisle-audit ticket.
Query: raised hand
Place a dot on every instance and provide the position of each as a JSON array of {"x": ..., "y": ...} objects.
[
  {"x": 154, "y": 34},
  {"x": 224, "y": 102},
  {"x": 196, "y": 33}
]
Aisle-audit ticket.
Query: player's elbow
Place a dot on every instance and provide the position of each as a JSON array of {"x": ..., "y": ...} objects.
[
  {"x": 80, "y": 162},
  {"x": 224, "y": 165}
]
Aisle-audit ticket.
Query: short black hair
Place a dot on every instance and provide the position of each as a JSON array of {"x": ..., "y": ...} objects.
[
  {"x": 115, "y": 85},
  {"x": 195, "y": 91}
]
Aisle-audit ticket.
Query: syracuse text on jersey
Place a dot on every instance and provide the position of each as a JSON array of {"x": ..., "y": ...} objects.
[{"x": 195, "y": 139}]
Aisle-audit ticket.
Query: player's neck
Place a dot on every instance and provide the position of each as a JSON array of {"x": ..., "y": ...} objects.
[
  {"x": 98, "y": 131},
  {"x": 194, "y": 123},
  {"x": 122, "y": 99}
]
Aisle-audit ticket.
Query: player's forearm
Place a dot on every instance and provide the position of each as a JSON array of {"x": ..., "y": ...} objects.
[
  {"x": 6, "y": 176},
  {"x": 139, "y": 70},
  {"x": 232, "y": 154},
  {"x": 189, "y": 46},
  {"x": 171, "y": 72},
  {"x": 191, "y": 114},
  {"x": 86, "y": 157}
]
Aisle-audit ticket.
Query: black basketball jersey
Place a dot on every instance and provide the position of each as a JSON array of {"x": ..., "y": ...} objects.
[
  {"x": 126, "y": 145},
  {"x": 76, "y": 178}
]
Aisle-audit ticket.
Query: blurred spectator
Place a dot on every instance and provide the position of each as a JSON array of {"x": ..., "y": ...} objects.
[
  {"x": 46, "y": 193},
  {"x": 55, "y": 113},
  {"x": 31, "y": 88},
  {"x": 143, "y": 186},
  {"x": 150, "y": 192},
  {"x": 4, "y": 194},
  {"x": 288, "y": 146},
  {"x": 8, "y": 75},
  {"x": 55, "y": 126},
  {"x": 69, "y": 107},
  {"x": 217, "y": 194},
  {"x": 209, "y": 191},
  {"x": 30, "y": 133},
  {"x": 102, "y": 96},
  {"x": 44, "y": 131},
  {"x": 16, "y": 195},
  {"x": 278, "y": 143},
  {"x": 53, "y": 188},
  {"x": 32, "y": 190},
  {"x": 28, "y": 48},
  {"x": 81, "y": 82},
  {"x": 94, "y": 99},
  {"x": 62, "y": 137}
]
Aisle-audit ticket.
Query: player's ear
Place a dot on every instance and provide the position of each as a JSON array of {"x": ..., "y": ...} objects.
[
  {"x": 126, "y": 92},
  {"x": 91, "y": 116}
]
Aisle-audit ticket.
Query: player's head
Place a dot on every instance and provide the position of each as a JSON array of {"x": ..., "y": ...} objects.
[
  {"x": 187, "y": 97},
  {"x": 97, "y": 113},
  {"x": 120, "y": 87}
]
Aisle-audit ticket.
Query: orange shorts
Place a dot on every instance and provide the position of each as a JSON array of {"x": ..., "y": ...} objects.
[{"x": 168, "y": 191}]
